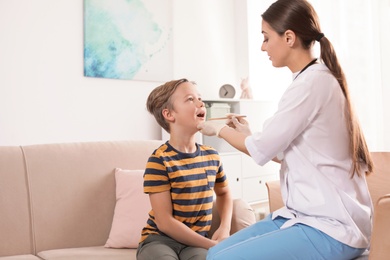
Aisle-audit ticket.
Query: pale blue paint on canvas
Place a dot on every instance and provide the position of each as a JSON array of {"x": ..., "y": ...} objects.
[{"x": 117, "y": 34}]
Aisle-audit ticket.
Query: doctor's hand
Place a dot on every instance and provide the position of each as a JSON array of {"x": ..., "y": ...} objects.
[
  {"x": 239, "y": 124},
  {"x": 212, "y": 127}
]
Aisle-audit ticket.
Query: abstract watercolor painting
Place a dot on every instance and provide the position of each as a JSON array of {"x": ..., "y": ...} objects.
[{"x": 128, "y": 39}]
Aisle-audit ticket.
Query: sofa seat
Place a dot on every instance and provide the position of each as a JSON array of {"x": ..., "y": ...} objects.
[
  {"x": 89, "y": 253},
  {"x": 20, "y": 257}
]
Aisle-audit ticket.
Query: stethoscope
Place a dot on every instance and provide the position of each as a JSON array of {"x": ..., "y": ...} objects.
[{"x": 308, "y": 65}]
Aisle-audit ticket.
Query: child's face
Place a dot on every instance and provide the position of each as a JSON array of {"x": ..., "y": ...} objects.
[{"x": 188, "y": 107}]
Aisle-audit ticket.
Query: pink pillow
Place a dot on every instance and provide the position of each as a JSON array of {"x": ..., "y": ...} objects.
[{"x": 131, "y": 209}]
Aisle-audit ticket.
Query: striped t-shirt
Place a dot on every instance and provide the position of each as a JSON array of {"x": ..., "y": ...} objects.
[{"x": 190, "y": 177}]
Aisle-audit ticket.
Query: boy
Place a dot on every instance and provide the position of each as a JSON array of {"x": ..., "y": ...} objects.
[{"x": 180, "y": 178}]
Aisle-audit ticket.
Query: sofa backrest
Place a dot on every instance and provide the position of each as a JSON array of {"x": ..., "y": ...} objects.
[
  {"x": 67, "y": 189},
  {"x": 379, "y": 181}
]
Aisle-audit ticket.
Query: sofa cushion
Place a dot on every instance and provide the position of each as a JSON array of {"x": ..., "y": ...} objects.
[
  {"x": 131, "y": 209},
  {"x": 243, "y": 216}
]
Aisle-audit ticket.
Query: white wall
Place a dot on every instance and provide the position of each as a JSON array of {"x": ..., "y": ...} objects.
[
  {"x": 44, "y": 97},
  {"x": 206, "y": 43},
  {"x": 267, "y": 82}
]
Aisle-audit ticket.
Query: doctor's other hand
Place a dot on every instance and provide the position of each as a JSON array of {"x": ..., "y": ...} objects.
[
  {"x": 239, "y": 124},
  {"x": 211, "y": 127}
]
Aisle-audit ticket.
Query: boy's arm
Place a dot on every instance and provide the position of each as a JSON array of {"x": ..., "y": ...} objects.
[
  {"x": 224, "y": 204},
  {"x": 162, "y": 206}
]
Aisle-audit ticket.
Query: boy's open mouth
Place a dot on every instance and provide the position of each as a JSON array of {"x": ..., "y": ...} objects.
[{"x": 201, "y": 115}]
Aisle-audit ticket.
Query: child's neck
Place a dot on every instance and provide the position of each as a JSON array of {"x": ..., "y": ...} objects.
[{"x": 183, "y": 144}]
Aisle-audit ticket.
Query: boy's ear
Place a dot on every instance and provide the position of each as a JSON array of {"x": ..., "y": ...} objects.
[
  {"x": 290, "y": 38},
  {"x": 168, "y": 115}
]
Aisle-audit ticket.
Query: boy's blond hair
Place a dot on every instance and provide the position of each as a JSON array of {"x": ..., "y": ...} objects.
[{"x": 160, "y": 99}]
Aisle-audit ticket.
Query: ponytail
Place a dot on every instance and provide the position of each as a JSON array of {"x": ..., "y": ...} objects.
[{"x": 358, "y": 145}]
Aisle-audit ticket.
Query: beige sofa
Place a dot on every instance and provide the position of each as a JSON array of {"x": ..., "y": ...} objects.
[
  {"x": 379, "y": 186},
  {"x": 57, "y": 201}
]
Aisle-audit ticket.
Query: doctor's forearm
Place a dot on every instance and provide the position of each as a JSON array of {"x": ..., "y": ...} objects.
[{"x": 234, "y": 138}]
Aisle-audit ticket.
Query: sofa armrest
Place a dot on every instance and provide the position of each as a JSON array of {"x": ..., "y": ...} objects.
[
  {"x": 243, "y": 216},
  {"x": 380, "y": 239},
  {"x": 275, "y": 200}
]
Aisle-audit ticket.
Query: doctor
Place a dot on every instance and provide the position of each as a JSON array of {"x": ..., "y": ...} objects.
[{"x": 316, "y": 137}]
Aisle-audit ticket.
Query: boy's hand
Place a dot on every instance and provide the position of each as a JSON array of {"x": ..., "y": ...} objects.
[
  {"x": 212, "y": 127},
  {"x": 220, "y": 234}
]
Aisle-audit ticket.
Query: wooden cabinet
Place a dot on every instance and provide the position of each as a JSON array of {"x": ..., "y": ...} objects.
[
  {"x": 246, "y": 178},
  {"x": 233, "y": 169}
]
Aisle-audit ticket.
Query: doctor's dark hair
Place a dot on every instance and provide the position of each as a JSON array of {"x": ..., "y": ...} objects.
[
  {"x": 160, "y": 99},
  {"x": 300, "y": 17}
]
